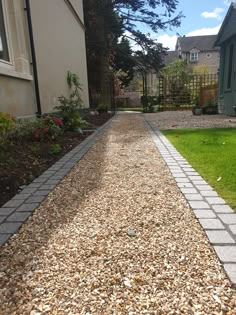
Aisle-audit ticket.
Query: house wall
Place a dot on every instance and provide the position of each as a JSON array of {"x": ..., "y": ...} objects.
[
  {"x": 16, "y": 81},
  {"x": 211, "y": 63},
  {"x": 60, "y": 47},
  {"x": 227, "y": 96}
]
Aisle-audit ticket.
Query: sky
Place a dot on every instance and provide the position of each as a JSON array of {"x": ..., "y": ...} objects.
[{"x": 202, "y": 17}]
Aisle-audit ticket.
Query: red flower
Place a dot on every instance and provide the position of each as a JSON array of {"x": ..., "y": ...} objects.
[
  {"x": 46, "y": 129},
  {"x": 12, "y": 117},
  {"x": 47, "y": 118},
  {"x": 57, "y": 121},
  {"x": 37, "y": 133}
]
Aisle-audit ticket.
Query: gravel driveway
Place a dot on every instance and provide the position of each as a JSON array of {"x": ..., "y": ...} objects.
[
  {"x": 115, "y": 237},
  {"x": 185, "y": 119}
]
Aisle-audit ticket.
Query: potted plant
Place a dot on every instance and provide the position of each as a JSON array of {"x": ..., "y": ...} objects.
[
  {"x": 210, "y": 108},
  {"x": 196, "y": 109}
]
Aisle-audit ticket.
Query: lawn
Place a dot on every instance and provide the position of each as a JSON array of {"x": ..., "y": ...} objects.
[
  {"x": 133, "y": 109},
  {"x": 212, "y": 152}
]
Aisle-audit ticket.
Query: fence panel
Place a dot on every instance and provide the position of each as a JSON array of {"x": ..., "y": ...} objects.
[{"x": 183, "y": 92}]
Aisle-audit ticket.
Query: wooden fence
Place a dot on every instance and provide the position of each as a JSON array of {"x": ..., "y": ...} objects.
[{"x": 183, "y": 92}]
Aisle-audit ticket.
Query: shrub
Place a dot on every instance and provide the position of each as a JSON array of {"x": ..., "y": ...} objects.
[
  {"x": 7, "y": 122},
  {"x": 54, "y": 149},
  {"x": 102, "y": 108},
  {"x": 69, "y": 106},
  {"x": 47, "y": 128}
]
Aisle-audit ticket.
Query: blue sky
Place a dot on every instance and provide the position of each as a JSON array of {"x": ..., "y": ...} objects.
[{"x": 202, "y": 17}]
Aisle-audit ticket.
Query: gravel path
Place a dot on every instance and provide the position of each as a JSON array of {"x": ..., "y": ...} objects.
[
  {"x": 74, "y": 255},
  {"x": 185, "y": 119}
]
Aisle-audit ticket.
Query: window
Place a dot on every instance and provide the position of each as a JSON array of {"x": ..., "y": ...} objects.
[
  {"x": 230, "y": 66},
  {"x": 193, "y": 56},
  {"x": 4, "y": 53},
  {"x": 208, "y": 55}
]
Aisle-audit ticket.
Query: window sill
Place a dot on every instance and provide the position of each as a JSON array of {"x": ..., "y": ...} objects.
[{"x": 15, "y": 74}]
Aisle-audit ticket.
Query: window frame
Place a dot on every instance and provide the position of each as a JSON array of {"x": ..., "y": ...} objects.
[
  {"x": 195, "y": 54},
  {"x": 6, "y": 63}
]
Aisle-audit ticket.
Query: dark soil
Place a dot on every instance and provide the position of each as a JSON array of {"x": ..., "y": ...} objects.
[{"x": 21, "y": 162}]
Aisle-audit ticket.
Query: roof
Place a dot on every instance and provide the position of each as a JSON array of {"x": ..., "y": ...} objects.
[
  {"x": 170, "y": 56},
  {"x": 227, "y": 29},
  {"x": 202, "y": 43}
]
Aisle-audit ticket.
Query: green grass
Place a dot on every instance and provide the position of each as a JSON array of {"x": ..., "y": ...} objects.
[
  {"x": 212, "y": 152},
  {"x": 133, "y": 109}
]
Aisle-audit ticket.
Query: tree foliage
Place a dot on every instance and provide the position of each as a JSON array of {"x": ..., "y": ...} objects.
[{"x": 110, "y": 24}]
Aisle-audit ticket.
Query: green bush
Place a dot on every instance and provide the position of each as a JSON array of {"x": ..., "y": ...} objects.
[
  {"x": 70, "y": 106},
  {"x": 54, "y": 149},
  {"x": 74, "y": 122},
  {"x": 7, "y": 122},
  {"x": 47, "y": 128},
  {"x": 102, "y": 108}
]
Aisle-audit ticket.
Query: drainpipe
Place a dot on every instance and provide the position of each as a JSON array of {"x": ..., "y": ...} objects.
[{"x": 33, "y": 55}]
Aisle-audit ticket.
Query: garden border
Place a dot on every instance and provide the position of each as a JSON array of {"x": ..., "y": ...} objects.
[
  {"x": 217, "y": 219},
  {"x": 18, "y": 209}
]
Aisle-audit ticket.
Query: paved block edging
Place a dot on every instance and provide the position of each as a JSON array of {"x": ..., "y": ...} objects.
[
  {"x": 217, "y": 219},
  {"x": 17, "y": 210}
]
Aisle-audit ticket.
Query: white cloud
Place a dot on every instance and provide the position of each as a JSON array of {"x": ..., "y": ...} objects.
[
  {"x": 167, "y": 41},
  {"x": 215, "y": 14},
  {"x": 205, "y": 31}
]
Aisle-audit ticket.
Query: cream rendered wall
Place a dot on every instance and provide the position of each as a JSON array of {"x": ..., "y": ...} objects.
[
  {"x": 78, "y": 6},
  {"x": 60, "y": 46},
  {"x": 16, "y": 81}
]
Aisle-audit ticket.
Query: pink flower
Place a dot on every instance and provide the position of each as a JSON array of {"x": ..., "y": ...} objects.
[
  {"x": 57, "y": 121},
  {"x": 37, "y": 133},
  {"x": 46, "y": 129},
  {"x": 47, "y": 119}
]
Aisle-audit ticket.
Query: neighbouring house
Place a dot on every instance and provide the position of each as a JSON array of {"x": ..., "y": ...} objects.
[
  {"x": 199, "y": 52},
  {"x": 40, "y": 41},
  {"x": 226, "y": 39}
]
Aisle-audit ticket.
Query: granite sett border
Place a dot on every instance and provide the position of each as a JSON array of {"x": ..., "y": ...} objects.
[{"x": 217, "y": 219}]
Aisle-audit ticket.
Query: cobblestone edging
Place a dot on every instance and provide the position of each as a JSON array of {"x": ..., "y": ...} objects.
[
  {"x": 17, "y": 210},
  {"x": 215, "y": 216}
]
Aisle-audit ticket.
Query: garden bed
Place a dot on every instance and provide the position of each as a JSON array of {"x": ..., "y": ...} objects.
[{"x": 23, "y": 161}]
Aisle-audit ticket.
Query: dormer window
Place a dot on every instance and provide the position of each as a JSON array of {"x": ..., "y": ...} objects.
[{"x": 193, "y": 56}]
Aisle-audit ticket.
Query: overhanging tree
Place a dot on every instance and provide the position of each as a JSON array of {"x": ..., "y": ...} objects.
[{"x": 107, "y": 20}]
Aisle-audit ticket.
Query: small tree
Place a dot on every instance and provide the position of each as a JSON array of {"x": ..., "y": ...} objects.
[
  {"x": 177, "y": 75},
  {"x": 69, "y": 106}
]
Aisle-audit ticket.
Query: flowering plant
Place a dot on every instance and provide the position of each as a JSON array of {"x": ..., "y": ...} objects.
[
  {"x": 7, "y": 122},
  {"x": 47, "y": 128}
]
